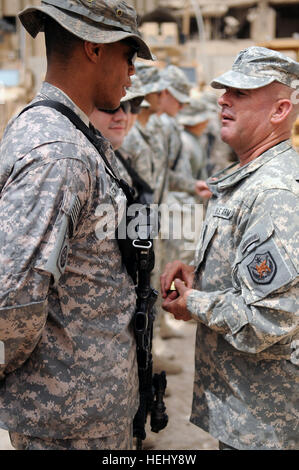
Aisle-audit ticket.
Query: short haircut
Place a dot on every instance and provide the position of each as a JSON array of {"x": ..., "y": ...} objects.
[{"x": 60, "y": 43}]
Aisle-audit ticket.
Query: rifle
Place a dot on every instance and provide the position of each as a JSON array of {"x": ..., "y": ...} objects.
[
  {"x": 139, "y": 258},
  {"x": 151, "y": 388}
]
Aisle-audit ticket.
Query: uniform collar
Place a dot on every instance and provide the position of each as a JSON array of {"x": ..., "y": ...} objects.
[
  {"x": 51, "y": 92},
  {"x": 225, "y": 181}
]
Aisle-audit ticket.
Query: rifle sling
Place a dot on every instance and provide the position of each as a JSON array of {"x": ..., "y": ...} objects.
[{"x": 89, "y": 134}]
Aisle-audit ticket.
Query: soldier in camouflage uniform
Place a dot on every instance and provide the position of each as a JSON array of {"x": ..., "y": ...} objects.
[
  {"x": 219, "y": 154},
  {"x": 243, "y": 287},
  {"x": 69, "y": 376},
  {"x": 173, "y": 98},
  {"x": 194, "y": 118},
  {"x": 112, "y": 125},
  {"x": 143, "y": 143},
  {"x": 179, "y": 240}
]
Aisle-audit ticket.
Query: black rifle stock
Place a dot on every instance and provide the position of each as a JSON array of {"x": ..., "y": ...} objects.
[{"x": 151, "y": 388}]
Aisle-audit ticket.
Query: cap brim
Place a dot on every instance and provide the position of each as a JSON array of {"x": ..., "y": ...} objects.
[
  {"x": 181, "y": 97},
  {"x": 154, "y": 87},
  {"x": 145, "y": 104},
  {"x": 130, "y": 95},
  {"x": 193, "y": 120},
  {"x": 32, "y": 18},
  {"x": 235, "y": 79}
]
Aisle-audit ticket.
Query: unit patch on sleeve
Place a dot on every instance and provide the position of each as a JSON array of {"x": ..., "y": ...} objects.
[{"x": 262, "y": 268}]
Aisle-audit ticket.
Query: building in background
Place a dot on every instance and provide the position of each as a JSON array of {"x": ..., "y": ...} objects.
[
  {"x": 22, "y": 60},
  {"x": 208, "y": 34},
  {"x": 201, "y": 36}
]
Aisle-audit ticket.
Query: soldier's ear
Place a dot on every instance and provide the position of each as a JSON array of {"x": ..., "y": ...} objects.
[
  {"x": 92, "y": 50},
  {"x": 281, "y": 110}
]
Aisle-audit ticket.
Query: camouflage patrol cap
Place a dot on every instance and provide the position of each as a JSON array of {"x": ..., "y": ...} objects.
[
  {"x": 96, "y": 21},
  {"x": 177, "y": 83},
  {"x": 150, "y": 77},
  {"x": 194, "y": 113},
  {"x": 135, "y": 91},
  {"x": 256, "y": 67}
]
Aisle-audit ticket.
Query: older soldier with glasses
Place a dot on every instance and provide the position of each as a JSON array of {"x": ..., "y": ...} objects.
[
  {"x": 243, "y": 287},
  {"x": 70, "y": 376}
]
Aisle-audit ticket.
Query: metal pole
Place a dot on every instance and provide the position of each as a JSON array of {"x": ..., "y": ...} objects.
[
  {"x": 201, "y": 34},
  {"x": 199, "y": 20}
]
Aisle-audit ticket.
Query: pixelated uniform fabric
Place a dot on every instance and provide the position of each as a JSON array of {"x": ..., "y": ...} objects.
[
  {"x": 245, "y": 300},
  {"x": 66, "y": 300}
]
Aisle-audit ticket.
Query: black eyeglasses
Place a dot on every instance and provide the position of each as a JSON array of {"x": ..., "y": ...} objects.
[
  {"x": 136, "y": 104},
  {"x": 125, "y": 106}
]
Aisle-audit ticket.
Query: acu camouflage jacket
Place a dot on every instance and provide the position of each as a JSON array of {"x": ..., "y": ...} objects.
[
  {"x": 245, "y": 300},
  {"x": 70, "y": 362}
]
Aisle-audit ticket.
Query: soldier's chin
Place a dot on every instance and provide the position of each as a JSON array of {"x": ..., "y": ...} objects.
[{"x": 225, "y": 135}]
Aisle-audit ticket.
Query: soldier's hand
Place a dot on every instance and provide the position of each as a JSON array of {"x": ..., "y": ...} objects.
[
  {"x": 176, "y": 270},
  {"x": 202, "y": 189},
  {"x": 176, "y": 301}
]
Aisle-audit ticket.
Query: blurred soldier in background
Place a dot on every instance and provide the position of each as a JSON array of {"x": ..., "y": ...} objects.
[
  {"x": 218, "y": 153},
  {"x": 172, "y": 99},
  {"x": 139, "y": 144},
  {"x": 195, "y": 118},
  {"x": 182, "y": 227}
]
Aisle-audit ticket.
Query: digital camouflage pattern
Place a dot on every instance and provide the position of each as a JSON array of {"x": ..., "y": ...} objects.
[
  {"x": 150, "y": 77},
  {"x": 135, "y": 90},
  {"x": 194, "y": 147},
  {"x": 181, "y": 199},
  {"x": 158, "y": 143},
  {"x": 136, "y": 145},
  {"x": 96, "y": 21},
  {"x": 146, "y": 145},
  {"x": 177, "y": 83},
  {"x": 207, "y": 152},
  {"x": 256, "y": 67},
  {"x": 195, "y": 112},
  {"x": 180, "y": 176},
  {"x": 245, "y": 300},
  {"x": 120, "y": 441},
  {"x": 69, "y": 347}
]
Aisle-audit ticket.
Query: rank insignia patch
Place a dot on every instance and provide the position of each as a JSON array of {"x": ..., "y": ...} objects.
[{"x": 262, "y": 268}]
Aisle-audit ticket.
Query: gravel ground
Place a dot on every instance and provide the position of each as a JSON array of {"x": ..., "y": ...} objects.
[{"x": 179, "y": 434}]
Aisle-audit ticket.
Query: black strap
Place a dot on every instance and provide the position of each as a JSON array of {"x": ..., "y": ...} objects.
[
  {"x": 173, "y": 167},
  {"x": 90, "y": 134},
  {"x": 138, "y": 182}
]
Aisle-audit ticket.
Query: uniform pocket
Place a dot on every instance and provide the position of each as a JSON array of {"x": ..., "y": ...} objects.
[{"x": 207, "y": 234}]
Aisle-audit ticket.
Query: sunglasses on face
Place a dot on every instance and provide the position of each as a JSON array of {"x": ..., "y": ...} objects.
[
  {"x": 125, "y": 106},
  {"x": 132, "y": 55},
  {"x": 136, "y": 104}
]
